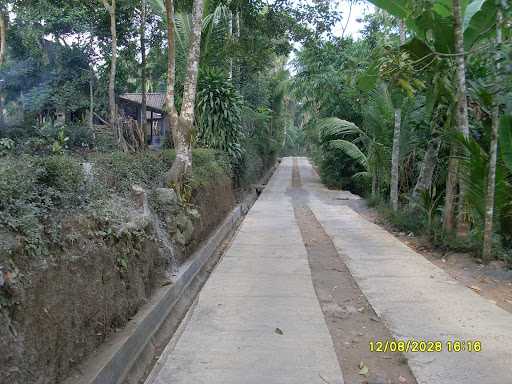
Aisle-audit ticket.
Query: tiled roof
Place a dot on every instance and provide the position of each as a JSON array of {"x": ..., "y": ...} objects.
[{"x": 153, "y": 100}]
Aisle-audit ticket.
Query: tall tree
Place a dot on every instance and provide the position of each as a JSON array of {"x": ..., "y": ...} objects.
[
  {"x": 395, "y": 158},
  {"x": 230, "y": 35},
  {"x": 237, "y": 38},
  {"x": 424, "y": 182},
  {"x": 181, "y": 124},
  {"x": 143, "y": 71},
  {"x": 90, "y": 49},
  {"x": 462, "y": 118},
  {"x": 3, "y": 34},
  {"x": 493, "y": 152},
  {"x": 170, "y": 105},
  {"x": 3, "y": 54},
  {"x": 111, "y": 9}
]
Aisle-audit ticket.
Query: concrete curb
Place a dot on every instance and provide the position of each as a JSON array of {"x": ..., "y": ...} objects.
[{"x": 128, "y": 356}]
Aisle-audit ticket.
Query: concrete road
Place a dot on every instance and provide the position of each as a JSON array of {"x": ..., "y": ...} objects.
[
  {"x": 417, "y": 300},
  {"x": 258, "y": 321}
]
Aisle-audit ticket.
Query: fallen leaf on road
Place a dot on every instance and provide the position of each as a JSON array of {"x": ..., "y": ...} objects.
[
  {"x": 279, "y": 331},
  {"x": 363, "y": 369},
  {"x": 475, "y": 288},
  {"x": 402, "y": 379}
]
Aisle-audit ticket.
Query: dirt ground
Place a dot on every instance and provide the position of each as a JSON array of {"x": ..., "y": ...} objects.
[{"x": 351, "y": 320}]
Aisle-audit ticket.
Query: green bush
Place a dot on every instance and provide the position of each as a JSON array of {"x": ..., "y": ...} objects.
[
  {"x": 252, "y": 167},
  {"x": 403, "y": 220},
  {"x": 219, "y": 113},
  {"x": 63, "y": 173},
  {"x": 118, "y": 171},
  {"x": 35, "y": 192},
  {"x": 6, "y": 146},
  {"x": 23, "y": 202},
  {"x": 80, "y": 136},
  {"x": 17, "y": 179},
  {"x": 208, "y": 166},
  {"x": 336, "y": 170}
]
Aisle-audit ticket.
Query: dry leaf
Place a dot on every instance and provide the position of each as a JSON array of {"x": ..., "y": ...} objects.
[
  {"x": 402, "y": 379},
  {"x": 279, "y": 331},
  {"x": 475, "y": 288},
  {"x": 363, "y": 369}
]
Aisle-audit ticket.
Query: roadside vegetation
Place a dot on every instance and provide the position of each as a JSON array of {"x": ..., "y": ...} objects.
[
  {"x": 63, "y": 65},
  {"x": 104, "y": 198},
  {"x": 415, "y": 115},
  {"x": 107, "y": 195}
]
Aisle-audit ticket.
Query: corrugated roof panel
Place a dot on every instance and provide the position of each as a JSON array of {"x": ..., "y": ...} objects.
[{"x": 153, "y": 100}]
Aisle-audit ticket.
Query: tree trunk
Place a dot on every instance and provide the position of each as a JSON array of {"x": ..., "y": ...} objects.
[
  {"x": 170, "y": 106},
  {"x": 374, "y": 185},
  {"x": 395, "y": 160},
  {"x": 3, "y": 54},
  {"x": 424, "y": 182},
  {"x": 3, "y": 37},
  {"x": 91, "y": 104},
  {"x": 111, "y": 8},
  {"x": 143, "y": 119},
  {"x": 493, "y": 152},
  {"x": 402, "y": 32},
  {"x": 91, "y": 86},
  {"x": 182, "y": 132},
  {"x": 230, "y": 34},
  {"x": 395, "y": 157},
  {"x": 451, "y": 191},
  {"x": 462, "y": 106},
  {"x": 113, "y": 68},
  {"x": 237, "y": 37}
]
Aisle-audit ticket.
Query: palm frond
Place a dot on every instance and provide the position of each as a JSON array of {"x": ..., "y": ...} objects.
[
  {"x": 334, "y": 127},
  {"x": 158, "y": 7},
  {"x": 364, "y": 175},
  {"x": 183, "y": 23},
  {"x": 351, "y": 150},
  {"x": 215, "y": 26}
]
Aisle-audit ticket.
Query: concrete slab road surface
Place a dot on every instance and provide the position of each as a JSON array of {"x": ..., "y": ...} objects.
[{"x": 258, "y": 321}]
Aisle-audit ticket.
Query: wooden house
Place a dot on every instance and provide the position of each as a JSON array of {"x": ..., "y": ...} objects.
[{"x": 130, "y": 106}]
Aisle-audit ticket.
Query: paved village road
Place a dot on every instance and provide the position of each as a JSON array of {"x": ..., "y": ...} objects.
[{"x": 258, "y": 320}]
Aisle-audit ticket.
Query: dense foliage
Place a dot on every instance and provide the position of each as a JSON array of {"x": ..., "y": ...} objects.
[
  {"x": 384, "y": 114},
  {"x": 350, "y": 91}
]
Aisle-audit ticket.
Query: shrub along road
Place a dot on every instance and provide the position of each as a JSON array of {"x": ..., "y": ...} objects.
[{"x": 258, "y": 319}]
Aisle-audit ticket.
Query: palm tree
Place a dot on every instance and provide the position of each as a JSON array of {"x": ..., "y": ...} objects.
[
  {"x": 110, "y": 7},
  {"x": 3, "y": 54},
  {"x": 491, "y": 183},
  {"x": 370, "y": 146},
  {"x": 395, "y": 157}
]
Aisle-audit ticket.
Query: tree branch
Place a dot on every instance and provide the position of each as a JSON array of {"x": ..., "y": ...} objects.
[{"x": 107, "y": 5}]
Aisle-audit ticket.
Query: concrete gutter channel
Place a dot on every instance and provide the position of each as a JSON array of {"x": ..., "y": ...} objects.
[{"x": 127, "y": 357}]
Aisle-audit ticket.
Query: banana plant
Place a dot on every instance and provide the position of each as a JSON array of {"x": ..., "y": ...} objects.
[{"x": 432, "y": 23}]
